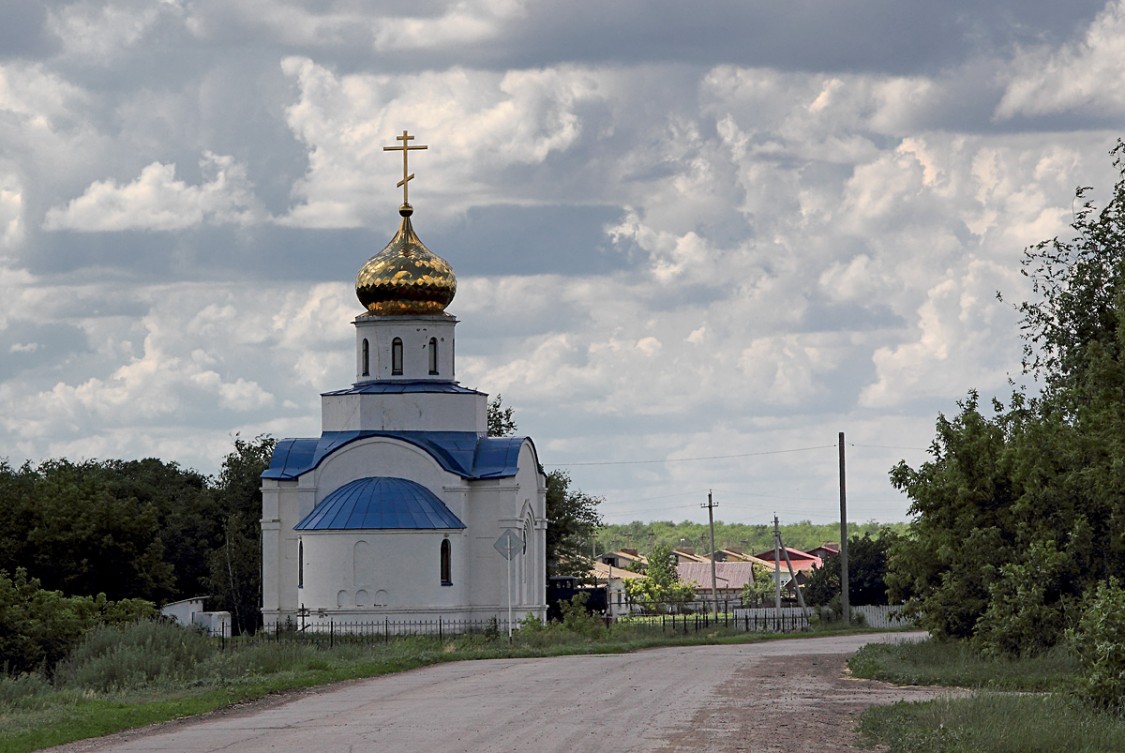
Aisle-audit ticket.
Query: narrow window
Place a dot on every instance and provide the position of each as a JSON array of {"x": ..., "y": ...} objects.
[
  {"x": 446, "y": 564},
  {"x": 366, "y": 358},
  {"x": 433, "y": 355},
  {"x": 396, "y": 357},
  {"x": 300, "y": 564}
]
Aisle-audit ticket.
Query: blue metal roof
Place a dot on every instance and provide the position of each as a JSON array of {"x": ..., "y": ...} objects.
[
  {"x": 380, "y": 502},
  {"x": 465, "y": 453},
  {"x": 405, "y": 386}
]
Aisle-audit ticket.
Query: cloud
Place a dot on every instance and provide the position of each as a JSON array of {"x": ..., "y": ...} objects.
[
  {"x": 498, "y": 122},
  {"x": 100, "y": 31},
  {"x": 11, "y": 213},
  {"x": 1082, "y": 75},
  {"x": 157, "y": 200}
]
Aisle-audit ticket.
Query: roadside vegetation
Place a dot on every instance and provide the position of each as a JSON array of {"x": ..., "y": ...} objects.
[
  {"x": 1015, "y": 559},
  {"x": 1028, "y": 705},
  {"x": 124, "y": 676}
]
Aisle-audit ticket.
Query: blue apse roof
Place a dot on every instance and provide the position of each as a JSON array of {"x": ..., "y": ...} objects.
[
  {"x": 465, "y": 453},
  {"x": 380, "y": 502}
]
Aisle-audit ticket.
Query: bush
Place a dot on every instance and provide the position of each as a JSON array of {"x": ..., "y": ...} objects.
[
  {"x": 22, "y": 690},
  {"x": 1099, "y": 642},
  {"x": 134, "y": 656},
  {"x": 39, "y": 627},
  {"x": 576, "y": 619}
]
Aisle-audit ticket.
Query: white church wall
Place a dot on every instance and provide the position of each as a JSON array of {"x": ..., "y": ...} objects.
[
  {"x": 426, "y": 411},
  {"x": 284, "y": 503},
  {"x": 365, "y": 575}
]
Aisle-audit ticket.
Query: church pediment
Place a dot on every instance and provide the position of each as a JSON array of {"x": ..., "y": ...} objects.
[
  {"x": 380, "y": 503},
  {"x": 464, "y": 453}
]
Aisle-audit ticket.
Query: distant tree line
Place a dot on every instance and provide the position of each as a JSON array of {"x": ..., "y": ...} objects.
[{"x": 750, "y": 538}]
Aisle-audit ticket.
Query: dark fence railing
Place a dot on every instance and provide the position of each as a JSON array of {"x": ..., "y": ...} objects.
[{"x": 683, "y": 618}]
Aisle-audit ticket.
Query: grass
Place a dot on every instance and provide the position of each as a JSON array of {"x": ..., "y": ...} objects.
[
  {"x": 991, "y": 722},
  {"x": 120, "y": 680},
  {"x": 1022, "y": 705},
  {"x": 955, "y": 664}
]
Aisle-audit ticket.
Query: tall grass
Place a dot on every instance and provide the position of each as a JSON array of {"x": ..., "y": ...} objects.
[
  {"x": 954, "y": 663},
  {"x": 1042, "y": 715},
  {"x": 113, "y": 658},
  {"x": 993, "y": 723}
]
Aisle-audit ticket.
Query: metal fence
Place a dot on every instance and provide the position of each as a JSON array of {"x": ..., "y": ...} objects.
[{"x": 683, "y": 618}]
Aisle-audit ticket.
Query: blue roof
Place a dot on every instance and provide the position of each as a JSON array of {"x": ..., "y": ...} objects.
[
  {"x": 380, "y": 502},
  {"x": 465, "y": 453},
  {"x": 405, "y": 386}
]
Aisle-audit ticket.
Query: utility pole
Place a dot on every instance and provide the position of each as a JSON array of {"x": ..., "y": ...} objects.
[
  {"x": 711, "y": 519},
  {"x": 777, "y": 567},
  {"x": 845, "y": 600}
]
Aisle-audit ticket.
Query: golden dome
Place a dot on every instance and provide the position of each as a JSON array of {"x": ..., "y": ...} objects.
[{"x": 405, "y": 278}]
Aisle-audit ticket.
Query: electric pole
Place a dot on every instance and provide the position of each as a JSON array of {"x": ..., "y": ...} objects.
[
  {"x": 711, "y": 520},
  {"x": 777, "y": 567},
  {"x": 845, "y": 601}
]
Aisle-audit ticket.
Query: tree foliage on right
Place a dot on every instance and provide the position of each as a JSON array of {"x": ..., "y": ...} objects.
[
  {"x": 1020, "y": 512},
  {"x": 572, "y": 519}
]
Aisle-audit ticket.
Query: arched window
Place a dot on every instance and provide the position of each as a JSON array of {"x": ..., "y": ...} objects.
[
  {"x": 433, "y": 355},
  {"x": 365, "y": 358},
  {"x": 446, "y": 563},
  {"x": 300, "y": 564},
  {"x": 396, "y": 357}
]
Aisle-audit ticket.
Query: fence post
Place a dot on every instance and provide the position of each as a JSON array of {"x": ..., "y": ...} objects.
[{"x": 386, "y": 630}]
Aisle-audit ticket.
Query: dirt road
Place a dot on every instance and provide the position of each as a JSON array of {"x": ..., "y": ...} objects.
[{"x": 775, "y": 696}]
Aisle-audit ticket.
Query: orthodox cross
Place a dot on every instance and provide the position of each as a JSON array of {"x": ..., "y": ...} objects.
[{"x": 406, "y": 148}]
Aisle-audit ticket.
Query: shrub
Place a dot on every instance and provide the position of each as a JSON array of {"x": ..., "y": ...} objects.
[
  {"x": 576, "y": 619},
  {"x": 1099, "y": 642},
  {"x": 22, "y": 690},
  {"x": 39, "y": 627},
  {"x": 117, "y": 658}
]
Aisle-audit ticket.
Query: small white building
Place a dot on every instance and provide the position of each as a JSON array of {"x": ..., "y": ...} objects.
[
  {"x": 394, "y": 512},
  {"x": 189, "y": 613}
]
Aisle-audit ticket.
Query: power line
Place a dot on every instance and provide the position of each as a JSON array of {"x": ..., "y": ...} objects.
[
  {"x": 887, "y": 447},
  {"x": 686, "y": 460}
]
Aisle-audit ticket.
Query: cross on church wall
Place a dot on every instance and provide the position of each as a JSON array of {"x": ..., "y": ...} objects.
[{"x": 406, "y": 148}]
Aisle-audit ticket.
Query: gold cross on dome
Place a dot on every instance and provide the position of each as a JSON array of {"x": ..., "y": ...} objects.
[{"x": 406, "y": 148}]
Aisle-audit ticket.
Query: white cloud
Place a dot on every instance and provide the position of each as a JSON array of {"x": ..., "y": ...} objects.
[
  {"x": 787, "y": 250},
  {"x": 99, "y": 31},
  {"x": 464, "y": 22},
  {"x": 1084, "y": 75},
  {"x": 11, "y": 213},
  {"x": 476, "y": 123},
  {"x": 157, "y": 200}
]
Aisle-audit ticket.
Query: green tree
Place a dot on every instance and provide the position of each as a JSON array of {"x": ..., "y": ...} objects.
[
  {"x": 867, "y": 570},
  {"x": 1099, "y": 642},
  {"x": 760, "y": 590},
  {"x": 186, "y": 510},
  {"x": 501, "y": 422},
  {"x": 1022, "y": 514},
  {"x": 236, "y": 561},
  {"x": 38, "y": 627},
  {"x": 572, "y": 519},
  {"x": 86, "y": 538},
  {"x": 962, "y": 500},
  {"x": 661, "y": 585}
]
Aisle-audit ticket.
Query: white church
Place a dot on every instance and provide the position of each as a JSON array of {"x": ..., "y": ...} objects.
[{"x": 403, "y": 509}]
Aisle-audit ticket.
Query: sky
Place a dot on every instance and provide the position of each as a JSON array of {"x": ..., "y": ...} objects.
[{"x": 694, "y": 242}]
